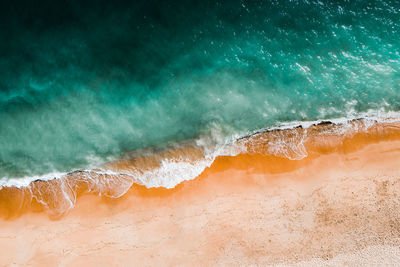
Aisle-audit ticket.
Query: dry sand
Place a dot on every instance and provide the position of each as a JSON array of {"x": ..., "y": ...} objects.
[{"x": 336, "y": 208}]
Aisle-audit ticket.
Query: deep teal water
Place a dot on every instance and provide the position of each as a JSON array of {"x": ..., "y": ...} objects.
[{"x": 82, "y": 83}]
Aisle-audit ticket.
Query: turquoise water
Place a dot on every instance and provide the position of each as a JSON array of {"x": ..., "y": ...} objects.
[{"x": 82, "y": 84}]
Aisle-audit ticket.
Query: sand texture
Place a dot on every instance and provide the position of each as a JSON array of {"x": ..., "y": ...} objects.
[{"x": 336, "y": 207}]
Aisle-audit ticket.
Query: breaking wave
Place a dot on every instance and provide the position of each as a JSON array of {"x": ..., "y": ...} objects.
[{"x": 170, "y": 166}]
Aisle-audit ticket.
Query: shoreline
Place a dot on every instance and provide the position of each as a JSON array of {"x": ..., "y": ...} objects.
[
  {"x": 390, "y": 117},
  {"x": 247, "y": 209},
  {"x": 282, "y": 147}
]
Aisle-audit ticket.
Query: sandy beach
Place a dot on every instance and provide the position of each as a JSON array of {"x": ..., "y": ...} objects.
[
  {"x": 200, "y": 133},
  {"x": 334, "y": 207}
]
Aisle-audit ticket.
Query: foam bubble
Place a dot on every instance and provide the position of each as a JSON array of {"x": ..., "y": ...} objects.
[
  {"x": 172, "y": 173},
  {"x": 215, "y": 143},
  {"x": 57, "y": 192}
]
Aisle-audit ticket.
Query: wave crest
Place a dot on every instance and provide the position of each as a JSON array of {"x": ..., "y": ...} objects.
[{"x": 170, "y": 167}]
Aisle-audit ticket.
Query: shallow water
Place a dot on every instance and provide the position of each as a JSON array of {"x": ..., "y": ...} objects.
[{"x": 268, "y": 152}]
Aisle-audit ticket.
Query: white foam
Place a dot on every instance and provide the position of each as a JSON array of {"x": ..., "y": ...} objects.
[
  {"x": 25, "y": 181},
  {"x": 61, "y": 196},
  {"x": 292, "y": 148},
  {"x": 172, "y": 173},
  {"x": 370, "y": 117},
  {"x": 215, "y": 143}
]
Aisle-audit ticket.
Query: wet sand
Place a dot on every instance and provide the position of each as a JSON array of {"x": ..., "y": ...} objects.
[{"x": 338, "y": 205}]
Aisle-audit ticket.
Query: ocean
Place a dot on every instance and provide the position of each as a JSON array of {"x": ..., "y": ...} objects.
[{"x": 83, "y": 85}]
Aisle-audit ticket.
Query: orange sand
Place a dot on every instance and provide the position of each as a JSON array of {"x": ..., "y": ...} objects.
[{"x": 249, "y": 209}]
